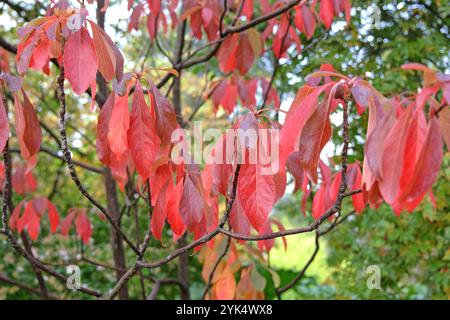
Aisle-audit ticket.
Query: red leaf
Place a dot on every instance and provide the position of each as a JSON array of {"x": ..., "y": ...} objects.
[
  {"x": 66, "y": 223},
  {"x": 28, "y": 129},
  {"x": 428, "y": 163},
  {"x": 326, "y": 12},
  {"x": 300, "y": 111},
  {"x": 142, "y": 137},
  {"x": 15, "y": 215},
  {"x": 83, "y": 226},
  {"x": 119, "y": 123},
  {"x": 392, "y": 157},
  {"x": 315, "y": 134},
  {"x": 191, "y": 203},
  {"x": 80, "y": 60},
  {"x": 304, "y": 21},
  {"x": 258, "y": 193},
  {"x": 29, "y": 221},
  {"x": 103, "y": 149},
  {"x": 247, "y": 10},
  {"x": 227, "y": 53},
  {"x": 104, "y": 51},
  {"x": 173, "y": 210},
  {"x": 159, "y": 213},
  {"x": 166, "y": 119},
  {"x": 238, "y": 220},
  {"x": 244, "y": 54},
  {"x": 53, "y": 216}
]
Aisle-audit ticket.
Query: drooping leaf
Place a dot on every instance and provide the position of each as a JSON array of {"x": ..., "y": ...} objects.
[
  {"x": 28, "y": 129},
  {"x": 119, "y": 123},
  {"x": 80, "y": 61},
  {"x": 142, "y": 137}
]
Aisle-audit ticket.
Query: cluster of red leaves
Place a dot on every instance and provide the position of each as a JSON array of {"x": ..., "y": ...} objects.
[
  {"x": 158, "y": 14},
  {"x": 82, "y": 224},
  {"x": 238, "y": 51},
  {"x": 225, "y": 93},
  {"x": 28, "y": 129},
  {"x": 33, "y": 212},
  {"x": 404, "y": 150},
  {"x": 61, "y": 35}
]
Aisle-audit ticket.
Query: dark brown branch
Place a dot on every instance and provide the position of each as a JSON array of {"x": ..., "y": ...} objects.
[
  {"x": 56, "y": 155},
  {"x": 8, "y": 46}
]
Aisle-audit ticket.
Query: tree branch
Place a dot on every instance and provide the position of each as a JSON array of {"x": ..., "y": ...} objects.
[{"x": 71, "y": 166}]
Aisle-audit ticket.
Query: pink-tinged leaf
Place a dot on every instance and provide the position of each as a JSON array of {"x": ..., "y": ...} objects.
[
  {"x": 392, "y": 157},
  {"x": 159, "y": 213},
  {"x": 40, "y": 205},
  {"x": 315, "y": 134},
  {"x": 83, "y": 226},
  {"x": 15, "y": 215},
  {"x": 66, "y": 223},
  {"x": 166, "y": 119},
  {"x": 135, "y": 16},
  {"x": 80, "y": 61},
  {"x": 29, "y": 221},
  {"x": 28, "y": 128},
  {"x": 191, "y": 203},
  {"x": 13, "y": 83},
  {"x": 41, "y": 53},
  {"x": 238, "y": 220},
  {"x": 222, "y": 169},
  {"x": 361, "y": 94},
  {"x": 24, "y": 53},
  {"x": 293, "y": 165},
  {"x": 301, "y": 110},
  {"x": 244, "y": 54},
  {"x": 428, "y": 163},
  {"x": 227, "y": 53},
  {"x": 53, "y": 216},
  {"x": 102, "y": 144},
  {"x": 142, "y": 137},
  {"x": 104, "y": 51},
  {"x": 373, "y": 148},
  {"x": 304, "y": 21},
  {"x": 326, "y": 12},
  {"x": 4, "y": 124},
  {"x": 118, "y": 125}
]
